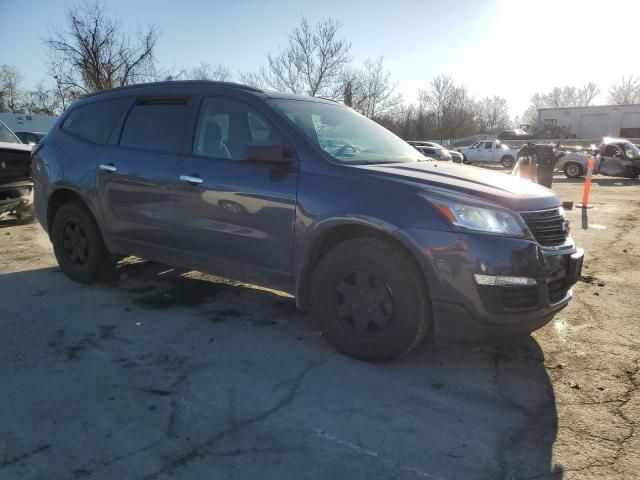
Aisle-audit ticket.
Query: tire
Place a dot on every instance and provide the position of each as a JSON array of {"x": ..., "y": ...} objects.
[
  {"x": 78, "y": 245},
  {"x": 573, "y": 170},
  {"x": 507, "y": 162},
  {"x": 392, "y": 309},
  {"x": 465, "y": 161}
]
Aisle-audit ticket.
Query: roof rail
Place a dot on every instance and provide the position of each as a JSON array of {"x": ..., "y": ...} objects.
[{"x": 239, "y": 86}]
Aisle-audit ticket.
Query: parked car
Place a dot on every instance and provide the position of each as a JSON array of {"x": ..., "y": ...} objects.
[
  {"x": 614, "y": 157},
  {"x": 306, "y": 196},
  {"x": 432, "y": 150},
  {"x": 30, "y": 138},
  {"x": 489, "y": 152},
  {"x": 15, "y": 175},
  {"x": 456, "y": 157}
]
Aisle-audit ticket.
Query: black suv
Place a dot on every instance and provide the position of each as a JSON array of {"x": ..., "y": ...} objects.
[{"x": 307, "y": 196}]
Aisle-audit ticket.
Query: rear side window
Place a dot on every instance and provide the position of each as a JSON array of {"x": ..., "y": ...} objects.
[
  {"x": 95, "y": 121},
  {"x": 157, "y": 125}
]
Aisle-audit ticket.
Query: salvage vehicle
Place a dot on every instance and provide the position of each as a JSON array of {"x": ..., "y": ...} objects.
[
  {"x": 15, "y": 175},
  {"x": 489, "y": 152},
  {"x": 433, "y": 151},
  {"x": 306, "y": 196},
  {"x": 615, "y": 157},
  {"x": 30, "y": 138},
  {"x": 542, "y": 132},
  {"x": 456, "y": 157}
]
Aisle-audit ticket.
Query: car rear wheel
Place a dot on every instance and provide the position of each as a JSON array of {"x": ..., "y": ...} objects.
[
  {"x": 78, "y": 245},
  {"x": 573, "y": 170},
  {"x": 507, "y": 161},
  {"x": 370, "y": 300}
]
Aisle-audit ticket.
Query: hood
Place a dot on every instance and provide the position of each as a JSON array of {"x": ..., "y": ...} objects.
[{"x": 507, "y": 191}]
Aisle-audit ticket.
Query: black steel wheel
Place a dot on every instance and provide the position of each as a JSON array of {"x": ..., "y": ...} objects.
[
  {"x": 363, "y": 303},
  {"x": 74, "y": 242},
  {"x": 370, "y": 299},
  {"x": 78, "y": 245}
]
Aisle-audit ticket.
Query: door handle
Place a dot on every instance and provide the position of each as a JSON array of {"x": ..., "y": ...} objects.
[
  {"x": 109, "y": 168},
  {"x": 191, "y": 179}
]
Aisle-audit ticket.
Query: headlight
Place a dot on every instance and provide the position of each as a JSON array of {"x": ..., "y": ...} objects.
[{"x": 479, "y": 219}]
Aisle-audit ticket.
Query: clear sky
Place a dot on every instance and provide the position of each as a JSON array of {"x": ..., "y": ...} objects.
[{"x": 509, "y": 48}]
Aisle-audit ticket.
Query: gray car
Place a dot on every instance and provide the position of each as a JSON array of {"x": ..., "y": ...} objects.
[{"x": 305, "y": 196}]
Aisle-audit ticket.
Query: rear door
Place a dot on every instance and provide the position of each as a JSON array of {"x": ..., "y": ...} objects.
[
  {"x": 234, "y": 216},
  {"x": 137, "y": 176}
]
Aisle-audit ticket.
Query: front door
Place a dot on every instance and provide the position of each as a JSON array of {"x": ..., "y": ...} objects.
[
  {"x": 236, "y": 217},
  {"x": 613, "y": 161},
  {"x": 137, "y": 177}
]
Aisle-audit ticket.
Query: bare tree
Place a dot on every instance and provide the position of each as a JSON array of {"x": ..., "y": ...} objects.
[
  {"x": 12, "y": 95},
  {"x": 627, "y": 92},
  {"x": 93, "y": 53},
  {"x": 454, "y": 111},
  {"x": 493, "y": 114},
  {"x": 370, "y": 90},
  {"x": 311, "y": 64},
  {"x": 206, "y": 71},
  {"x": 587, "y": 94},
  {"x": 561, "y": 97}
]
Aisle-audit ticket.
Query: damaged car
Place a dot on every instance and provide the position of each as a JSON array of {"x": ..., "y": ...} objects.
[
  {"x": 305, "y": 196},
  {"x": 16, "y": 187}
]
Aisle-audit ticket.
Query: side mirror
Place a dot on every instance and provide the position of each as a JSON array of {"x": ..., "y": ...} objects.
[{"x": 265, "y": 152}]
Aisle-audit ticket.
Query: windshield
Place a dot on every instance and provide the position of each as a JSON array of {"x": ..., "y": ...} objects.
[
  {"x": 630, "y": 150},
  {"x": 345, "y": 135},
  {"x": 7, "y": 135}
]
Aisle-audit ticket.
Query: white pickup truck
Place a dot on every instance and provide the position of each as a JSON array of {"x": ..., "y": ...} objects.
[{"x": 489, "y": 152}]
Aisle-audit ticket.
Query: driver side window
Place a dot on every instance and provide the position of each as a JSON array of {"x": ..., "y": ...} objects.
[
  {"x": 610, "y": 151},
  {"x": 226, "y": 125}
]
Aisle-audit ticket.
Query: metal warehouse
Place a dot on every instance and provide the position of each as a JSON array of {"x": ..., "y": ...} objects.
[{"x": 594, "y": 122}]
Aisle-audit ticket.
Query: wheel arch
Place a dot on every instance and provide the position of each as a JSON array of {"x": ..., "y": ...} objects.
[
  {"x": 335, "y": 234},
  {"x": 61, "y": 196}
]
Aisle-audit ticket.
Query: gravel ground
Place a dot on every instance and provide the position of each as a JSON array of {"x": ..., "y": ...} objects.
[{"x": 167, "y": 374}]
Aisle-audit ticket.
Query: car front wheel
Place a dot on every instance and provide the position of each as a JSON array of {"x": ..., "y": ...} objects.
[
  {"x": 78, "y": 246},
  {"x": 370, "y": 300},
  {"x": 572, "y": 170}
]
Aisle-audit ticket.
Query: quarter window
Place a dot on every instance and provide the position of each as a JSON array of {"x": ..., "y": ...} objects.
[
  {"x": 95, "y": 121},
  {"x": 156, "y": 125}
]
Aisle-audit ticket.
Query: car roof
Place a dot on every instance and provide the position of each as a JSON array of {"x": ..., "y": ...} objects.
[{"x": 140, "y": 88}]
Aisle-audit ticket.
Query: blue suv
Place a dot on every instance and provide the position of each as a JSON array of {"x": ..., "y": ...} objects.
[{"x": 303, "y": 195}]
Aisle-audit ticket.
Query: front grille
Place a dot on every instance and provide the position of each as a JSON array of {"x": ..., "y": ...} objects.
[
  {"x": 549, "y": 227},
  {"x": 557, "y": 290}
]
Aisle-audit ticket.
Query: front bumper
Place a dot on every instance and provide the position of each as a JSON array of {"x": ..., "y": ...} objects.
[
  {"x": 464, "y": 312},
  {"x": 16, "y": 196}
]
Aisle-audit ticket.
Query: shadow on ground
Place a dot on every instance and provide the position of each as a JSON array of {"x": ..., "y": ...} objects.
[{"x": 167, "y": 373}]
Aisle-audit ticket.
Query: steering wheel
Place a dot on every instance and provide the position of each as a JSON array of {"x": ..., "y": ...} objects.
[{"x": 343, "y": 149}]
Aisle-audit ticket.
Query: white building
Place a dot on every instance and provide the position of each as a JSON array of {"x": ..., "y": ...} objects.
[
  {"x": 595, "y": 122},
  {"x": 19, "y": 122}
]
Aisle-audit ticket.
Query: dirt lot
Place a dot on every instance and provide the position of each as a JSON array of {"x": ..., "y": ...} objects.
[{"x": 171, "y": 375}]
